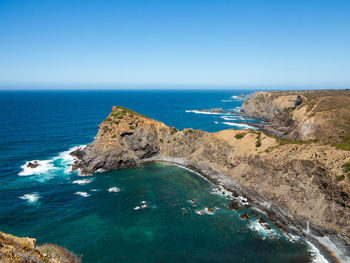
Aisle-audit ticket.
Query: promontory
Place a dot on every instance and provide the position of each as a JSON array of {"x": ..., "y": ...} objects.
[{"x": 296, "y": 167}]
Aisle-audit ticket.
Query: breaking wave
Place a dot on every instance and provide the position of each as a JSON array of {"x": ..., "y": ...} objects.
[
  {"x": 204, "y": 112},
  {"x": 60, "y": 164},
  {"x": 83, "y": 181},
  {"x": 82, "y": 194},
  {"x": 240, "y": 125},
  {"x": 30, "y": 198}
]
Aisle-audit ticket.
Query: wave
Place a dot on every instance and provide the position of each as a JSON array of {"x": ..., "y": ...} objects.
[
  {"x": 84, "y": 181},
  {"x": 114, "y": 189},
  {"x": 204, "y": 211},
  {"x": 204, "y": 112},
  {"x": 240, "y": 125},
  {"x": 44, "y": 167},
  {"x": 83, "y": 194},
  {"x": 62, "y": 163},
  {"x": 231, "y": 118},
  {"x": 226, "y": 100},
  {"x": 30, "y": 198},
  {"x": 256, "y": 226},
  {"x": 238, "y": 98}
]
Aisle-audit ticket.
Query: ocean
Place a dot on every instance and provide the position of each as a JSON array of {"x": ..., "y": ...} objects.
[{"x": 142, "y": 214}]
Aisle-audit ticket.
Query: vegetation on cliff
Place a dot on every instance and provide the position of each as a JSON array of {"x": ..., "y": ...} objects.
[{"x": 16, "y": 249}]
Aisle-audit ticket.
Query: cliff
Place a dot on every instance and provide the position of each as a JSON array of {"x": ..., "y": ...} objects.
[
  {"x": 304, "y": 115},
  {"x": 297, "y": 182},
  {"x": 17, "y": 249}
]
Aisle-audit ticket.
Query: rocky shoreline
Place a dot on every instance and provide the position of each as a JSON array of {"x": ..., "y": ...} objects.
[
  {"x": 288, "y": 224},
  {"x": 296, "y": 184}
]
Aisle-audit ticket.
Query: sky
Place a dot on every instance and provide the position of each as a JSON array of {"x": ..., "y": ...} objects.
[{"x": 237, "y": 43}]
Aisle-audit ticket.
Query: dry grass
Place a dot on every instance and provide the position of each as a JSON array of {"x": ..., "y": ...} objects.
[{"x": 62, "y": 254}]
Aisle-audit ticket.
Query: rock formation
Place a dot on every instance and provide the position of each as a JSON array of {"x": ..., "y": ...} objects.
[
  {"x": 16, "y": 249},
  {"x": 295, "y": 181},
  {"x": 303, "y": 115}
]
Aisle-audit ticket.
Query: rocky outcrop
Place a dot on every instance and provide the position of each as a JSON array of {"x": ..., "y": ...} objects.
[
  {"x": 303, "y": 115},
  {"x": 297, "y": 182},
  {"x": 17, "y": 249}
]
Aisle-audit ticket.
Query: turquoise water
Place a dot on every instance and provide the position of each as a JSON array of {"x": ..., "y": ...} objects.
[{"x": 95, "y": 216}]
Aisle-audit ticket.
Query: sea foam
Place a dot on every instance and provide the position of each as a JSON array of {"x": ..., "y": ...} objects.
[
  {"x": 83, "y": 194},
  {"x": 240, "y": 125},
  {"x": 114, "y": 190},
  {"x": 44, "y": 167},
  {"x": 204, "y": 112},
  {"x": 51, "y": 167},
  {"x": 84, "y": 181},
  {"x": 240, "y": 98},
  {"x": 30, "y": 198}
]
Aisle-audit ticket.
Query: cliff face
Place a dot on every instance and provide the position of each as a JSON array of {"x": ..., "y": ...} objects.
[
  {"x": 300, "y": 179},
  {"x": 17, "y": 249},
  {"x": 304, "y": 115}
]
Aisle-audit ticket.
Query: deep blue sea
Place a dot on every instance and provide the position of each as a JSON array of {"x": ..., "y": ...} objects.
[{"x": 100, "y": 217}]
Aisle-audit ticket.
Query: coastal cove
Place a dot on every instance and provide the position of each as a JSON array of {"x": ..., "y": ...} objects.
[{"x": 155, "y": 205}]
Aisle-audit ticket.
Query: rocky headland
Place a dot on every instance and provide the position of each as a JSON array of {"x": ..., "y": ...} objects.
[
  {"x": 17, "y": 249},
  {"x": 301, "y": 180}
]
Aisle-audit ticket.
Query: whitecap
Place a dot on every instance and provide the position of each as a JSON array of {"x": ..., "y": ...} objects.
[
  {"x": 83, "y": 194},
  {"x": 43, "y": 167},
  {"x": 137, "y": 208},
  {"x": 114, "y": 190},
  {"x": 84, "y": 181},
  {"x": 30, "y": 198},
  {"x": 204, "y": 112},
  {"x": 226, "y": 100},
  {"x": 229, "y": 118},
  {"x": 240, "y": 125},
  {"x": 317, "y": 257},
  {"x": 237, "y": 97},
  {"x": 62, "y": 162}
]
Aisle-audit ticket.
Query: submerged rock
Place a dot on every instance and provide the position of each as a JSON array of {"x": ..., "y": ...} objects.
[
  {"x": 245, "y": 216},
  {"x": 234, "y": 205},
  {"x": 34, "y": 164}
]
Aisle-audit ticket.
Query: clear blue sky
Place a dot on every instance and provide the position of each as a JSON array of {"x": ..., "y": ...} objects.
[{"x": 189, "y": 42}]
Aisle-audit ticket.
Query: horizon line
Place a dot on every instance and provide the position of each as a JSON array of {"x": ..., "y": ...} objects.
[{"x": 134, "y": 86}]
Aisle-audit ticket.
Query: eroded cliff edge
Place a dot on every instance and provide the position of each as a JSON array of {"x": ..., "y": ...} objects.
[
  {"x": 296, "y": 182},
  {"x": 304, "y": 115},
  {"x": 24, "y": 249}
]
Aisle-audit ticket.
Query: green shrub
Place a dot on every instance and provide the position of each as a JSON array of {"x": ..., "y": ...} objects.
[
  {"x": 258, "y": 135},
  {"x": 193, "y": 150},
  {"x": 173, "y": 130},
  {"x": 161, "y": 140},
  {"x": 340, "y": 178},
  {"x": 289, "y": 109},
  {"x": 258, "y": 144},
  {"x": 341, "y": 146},
  {"x": 239, "y": 135},
  {"x": 113, "y": 136},
  {"x": 105, "y": 129},
  {"x": 346, "y": 167},
  {"x": 174, "y": 139}
]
